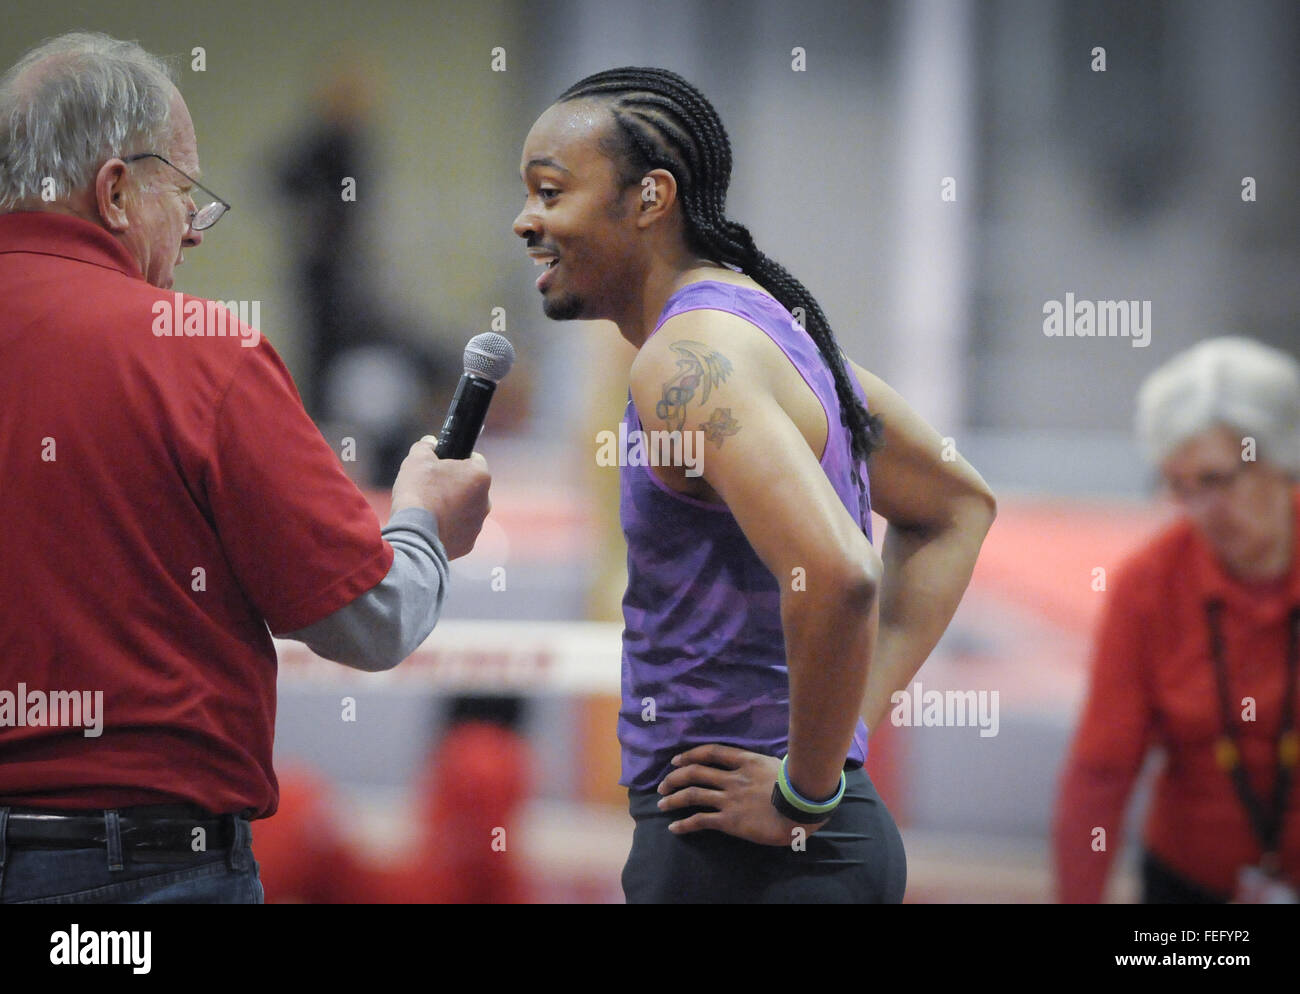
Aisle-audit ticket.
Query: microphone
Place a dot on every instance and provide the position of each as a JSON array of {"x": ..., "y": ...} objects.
[{"x": 488, "y": 357}]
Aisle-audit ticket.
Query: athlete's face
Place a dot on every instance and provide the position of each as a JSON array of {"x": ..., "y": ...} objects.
[{"x": 575, "y": 219}]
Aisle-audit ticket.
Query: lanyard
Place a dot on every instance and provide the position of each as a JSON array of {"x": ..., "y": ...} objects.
[{"x": 1267, "y": 825}]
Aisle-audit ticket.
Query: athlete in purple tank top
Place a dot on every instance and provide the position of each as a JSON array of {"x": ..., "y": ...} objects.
[
  {"x": 715, "y": 672},
  {"x": 764, "y": 634}
]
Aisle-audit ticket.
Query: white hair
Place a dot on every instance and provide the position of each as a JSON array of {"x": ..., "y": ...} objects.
[
  {"x": 72, "y": 103},
  {"x": 1233, "y": 382}
]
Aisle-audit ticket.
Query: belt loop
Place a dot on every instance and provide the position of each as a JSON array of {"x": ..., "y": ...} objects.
[
  {"x": 4, "y": 827},
  {"x": 113, "y": 832},
  {"x": 240, "y": 840}
]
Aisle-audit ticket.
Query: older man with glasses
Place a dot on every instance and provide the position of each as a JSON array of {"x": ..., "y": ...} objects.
[
  {"x": 164, "y": 508},
  {"x": 203, "y": 218},
  {"x": 1198, "y": 651}
]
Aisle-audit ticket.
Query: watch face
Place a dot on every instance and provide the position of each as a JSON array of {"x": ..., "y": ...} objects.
[{"x": 788, "y": 810}]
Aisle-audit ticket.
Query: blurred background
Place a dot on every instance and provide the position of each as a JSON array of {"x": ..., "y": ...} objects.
[{"x": 934, "y": 172}]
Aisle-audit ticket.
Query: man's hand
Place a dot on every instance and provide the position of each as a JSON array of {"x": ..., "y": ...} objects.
[
  {"x": 454, "y": 491},
  {"x": 741, "y": 790}
]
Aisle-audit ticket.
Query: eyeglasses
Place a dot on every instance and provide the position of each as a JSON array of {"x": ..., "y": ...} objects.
[
  {"x": 1208, "y": 484},
  {"x": 203, "y": 218}
]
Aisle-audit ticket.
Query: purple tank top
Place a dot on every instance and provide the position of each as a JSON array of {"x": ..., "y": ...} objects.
[{"x": 702, "y": 637}]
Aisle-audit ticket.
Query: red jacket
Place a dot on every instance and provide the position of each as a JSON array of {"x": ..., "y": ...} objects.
[{"x": 1153, "y": 684}]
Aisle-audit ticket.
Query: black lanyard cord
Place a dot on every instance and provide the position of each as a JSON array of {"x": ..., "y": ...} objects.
[
  {"x": 1267, "y": 825},
  {"x": 1286, "y": 738}
]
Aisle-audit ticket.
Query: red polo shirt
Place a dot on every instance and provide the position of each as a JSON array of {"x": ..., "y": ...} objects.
[
  {"x": 1153, "y": 683},
  {"x": 164, "y": 500}
]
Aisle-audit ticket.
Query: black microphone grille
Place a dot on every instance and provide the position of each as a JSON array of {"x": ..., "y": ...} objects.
[{"x": 490, "y": 356}]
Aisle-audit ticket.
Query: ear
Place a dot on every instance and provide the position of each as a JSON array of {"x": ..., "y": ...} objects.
[
  {"x": 657, "y": 196},
  {"x": 111, "y": 195}
]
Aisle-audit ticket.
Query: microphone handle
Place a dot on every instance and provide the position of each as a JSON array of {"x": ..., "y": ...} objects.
[{"x": 465, "y": 417}]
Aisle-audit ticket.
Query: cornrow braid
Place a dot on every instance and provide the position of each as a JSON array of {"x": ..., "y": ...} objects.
[{"x": 666, "y": 123}]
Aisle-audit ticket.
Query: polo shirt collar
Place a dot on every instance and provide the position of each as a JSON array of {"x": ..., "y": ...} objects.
[{"x": 49, "y": 233}]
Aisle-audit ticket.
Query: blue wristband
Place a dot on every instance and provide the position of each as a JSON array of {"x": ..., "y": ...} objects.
[{"x": 802, "y": 803}]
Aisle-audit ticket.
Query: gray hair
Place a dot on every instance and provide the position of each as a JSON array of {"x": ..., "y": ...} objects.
[
  {"x": 1234, "y": 382},
  {"x": 72, "y": 103}
]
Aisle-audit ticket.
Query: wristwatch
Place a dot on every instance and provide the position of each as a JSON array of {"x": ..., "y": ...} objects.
[
  {"x": 794, "y": 814},
  {"x": 795, "y": 806}
]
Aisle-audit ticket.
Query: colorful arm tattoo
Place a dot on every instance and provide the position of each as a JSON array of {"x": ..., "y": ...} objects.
[
  {"x": 699, "y": 368},
  {"x": 720, "y": 425}
]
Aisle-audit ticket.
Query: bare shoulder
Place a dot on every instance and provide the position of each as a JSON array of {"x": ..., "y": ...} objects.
[{"x": 693, "y": 355}]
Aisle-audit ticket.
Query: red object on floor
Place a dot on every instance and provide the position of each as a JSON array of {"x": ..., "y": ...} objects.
[
  {"x": 301, "y": 854},
  {"x": 469, "y": 794}
]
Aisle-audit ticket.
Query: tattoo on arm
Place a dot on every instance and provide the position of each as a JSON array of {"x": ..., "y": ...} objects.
[
  {"x": 699, "y": 368},
  {"x": 720, "y": 426}
]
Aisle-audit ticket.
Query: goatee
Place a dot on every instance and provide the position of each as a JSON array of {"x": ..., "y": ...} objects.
[{"x": 564, "y": 307}]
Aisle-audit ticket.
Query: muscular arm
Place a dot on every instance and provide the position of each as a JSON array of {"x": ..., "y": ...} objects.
[
  {"x": 938, "y": 512},
  {"x": 760, "y": 464}
]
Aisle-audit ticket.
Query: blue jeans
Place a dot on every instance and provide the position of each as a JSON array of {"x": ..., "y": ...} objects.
[{"x": 101, "y": 874}]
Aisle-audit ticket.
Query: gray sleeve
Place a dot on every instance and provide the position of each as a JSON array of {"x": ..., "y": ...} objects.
[{"x": 388, "y": 622}]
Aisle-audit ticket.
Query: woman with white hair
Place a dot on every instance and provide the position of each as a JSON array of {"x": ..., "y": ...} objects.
[{"x": 1198, "y": 651}]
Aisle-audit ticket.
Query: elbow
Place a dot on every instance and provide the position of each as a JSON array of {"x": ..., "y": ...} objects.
[
  {"x": 384, "y": 661},
  {"x": 370, "y": 652},
  {"x": 857, "y": 579},
  {"x": 368, "y": 658},
  {"x": 386, "y": 653},
  {"x": 860, "y": 592},
  {"x": 990, "y": 503},
  {"x": 990, "y": 508},
  {"x": 839, "y": 580},
  {"x": 979, "y": 511}
]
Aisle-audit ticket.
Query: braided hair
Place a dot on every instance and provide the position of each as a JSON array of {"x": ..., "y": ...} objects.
[{"x": 663, "y": 122}]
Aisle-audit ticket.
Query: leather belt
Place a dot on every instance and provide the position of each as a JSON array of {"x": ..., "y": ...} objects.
[{"x": 163, "y": 829}]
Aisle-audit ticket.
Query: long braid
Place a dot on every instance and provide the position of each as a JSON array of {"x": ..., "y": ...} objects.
[{"x": 665, "y": 123}]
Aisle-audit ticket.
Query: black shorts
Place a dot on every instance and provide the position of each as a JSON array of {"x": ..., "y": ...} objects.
[{"x": 856, "y": 858}]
